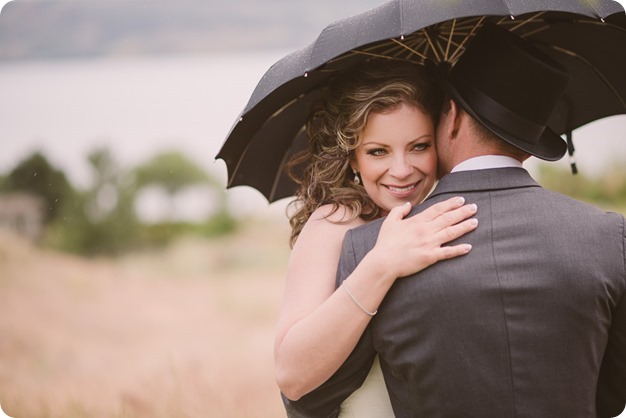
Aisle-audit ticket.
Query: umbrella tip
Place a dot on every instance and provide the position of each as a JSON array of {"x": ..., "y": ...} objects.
[{"x": 512, "y": 17}]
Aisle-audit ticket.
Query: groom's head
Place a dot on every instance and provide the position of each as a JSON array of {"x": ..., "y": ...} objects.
[{"x": 502, "y": 92}]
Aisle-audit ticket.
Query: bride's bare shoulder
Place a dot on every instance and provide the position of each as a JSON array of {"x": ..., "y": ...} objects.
[{"x": 337, "y": 215}]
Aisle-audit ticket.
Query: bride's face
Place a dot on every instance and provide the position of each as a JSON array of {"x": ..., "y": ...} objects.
[{"x": 396, "y": 157}]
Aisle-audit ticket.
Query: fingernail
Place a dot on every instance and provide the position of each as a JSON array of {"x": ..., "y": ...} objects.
[
  {"x": 468, "y": 248},
  {"x": 461, "y": 200},
  {"x": 473, "y": 207},
  {"x": 473, "y": 221}
]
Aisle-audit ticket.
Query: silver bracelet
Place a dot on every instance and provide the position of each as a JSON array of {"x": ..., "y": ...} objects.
[{"x": 347, "y": 289}]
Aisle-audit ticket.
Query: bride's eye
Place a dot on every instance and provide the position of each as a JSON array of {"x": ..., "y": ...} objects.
[
  {"x": 421, "y": 147},
  {"x": 376, "y": 151}
]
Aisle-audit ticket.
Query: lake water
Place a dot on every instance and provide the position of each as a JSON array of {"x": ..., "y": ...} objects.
[
  {"x": 138, "y": 106},
  {"x": 135, "y": 106}
]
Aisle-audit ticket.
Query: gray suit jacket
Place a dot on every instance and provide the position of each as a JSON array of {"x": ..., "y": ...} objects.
[{"x": 531, "y": 323}]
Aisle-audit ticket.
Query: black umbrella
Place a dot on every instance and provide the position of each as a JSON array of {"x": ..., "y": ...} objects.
[{"x": 587, "y": 36}]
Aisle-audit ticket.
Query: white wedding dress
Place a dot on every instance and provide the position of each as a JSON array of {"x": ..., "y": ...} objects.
[{"x": 371, "y": 400}]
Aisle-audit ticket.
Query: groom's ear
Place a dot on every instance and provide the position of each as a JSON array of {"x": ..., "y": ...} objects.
[
  {"x": 454, "y": 120},
  {"x": 450, "y": 121}
]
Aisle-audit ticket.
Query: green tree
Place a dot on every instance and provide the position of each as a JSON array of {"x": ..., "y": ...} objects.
[
  {"x": 173, "y": 172},
  {"x": 37, "y": 176},
  {"x": 102, "y": 219},
  {"x": 170, "y": 170}
]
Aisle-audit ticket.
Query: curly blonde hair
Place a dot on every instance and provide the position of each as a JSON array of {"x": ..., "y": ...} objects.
[{"x": 334, "y": 129}]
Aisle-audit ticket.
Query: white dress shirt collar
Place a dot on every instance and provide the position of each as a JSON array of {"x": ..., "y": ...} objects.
[{"x": 487, "y": 161}]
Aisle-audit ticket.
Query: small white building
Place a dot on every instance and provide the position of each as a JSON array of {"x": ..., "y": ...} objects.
[{"x": 22, "y": 214}]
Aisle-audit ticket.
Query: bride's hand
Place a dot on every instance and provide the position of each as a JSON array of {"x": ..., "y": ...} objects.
[{"x": 407, "y": 246}]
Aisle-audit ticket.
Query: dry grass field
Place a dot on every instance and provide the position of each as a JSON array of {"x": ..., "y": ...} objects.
[{"x": 182, "y": 332}]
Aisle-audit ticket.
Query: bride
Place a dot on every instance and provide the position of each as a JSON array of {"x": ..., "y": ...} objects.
[{"x": 371, "y": 155}]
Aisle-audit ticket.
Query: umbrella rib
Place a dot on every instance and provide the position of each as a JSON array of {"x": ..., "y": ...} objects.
[
  {"x": 393, "y": 47},
  {"x": 445, "y": 58},
  {"x": 277, "y": 177},
  {"x": 451, "y": 41},
  {"x": 534, "y": 31},
  {"x": 432, "y": 47},
  {"x": 527, "y": 21},
  {"x": 473, "y": 30},
  {"x": 285, "y": 106},
  {"x": 504, "y": 19},
  {"x": 606, "y": 82},
  {"x": 369, "y": 54},
  {"x": 409, "y": 48}
]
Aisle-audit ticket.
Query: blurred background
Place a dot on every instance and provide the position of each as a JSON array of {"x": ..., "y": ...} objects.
[{"x": 132, "y": 284}]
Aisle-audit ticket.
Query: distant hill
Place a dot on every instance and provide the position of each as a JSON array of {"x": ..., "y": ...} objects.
[{"x": 67, "y": 28}]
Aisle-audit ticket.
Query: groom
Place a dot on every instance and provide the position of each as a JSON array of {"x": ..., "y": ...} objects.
[{"x": 532, "y": 322}]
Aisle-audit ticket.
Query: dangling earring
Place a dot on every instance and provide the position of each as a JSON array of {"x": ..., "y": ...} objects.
[{"x": 357, "y": 180}]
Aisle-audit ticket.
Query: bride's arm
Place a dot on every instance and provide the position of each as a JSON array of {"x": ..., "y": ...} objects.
[{"x": 318, "y": 326}]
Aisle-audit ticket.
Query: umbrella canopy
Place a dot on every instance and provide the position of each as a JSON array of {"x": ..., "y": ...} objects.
[{"x": 588, "y": 37}]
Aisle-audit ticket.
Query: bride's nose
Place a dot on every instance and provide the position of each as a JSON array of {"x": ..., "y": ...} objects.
[{"x": 400, "y": 167}]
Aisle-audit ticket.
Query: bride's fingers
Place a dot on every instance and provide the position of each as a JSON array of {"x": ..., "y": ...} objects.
[
  {"x": 444, "y": 253},
  {"x": 453, "y": 232},
  {"x": 443, "y": 220},
  {"x": 441, "y": 208},
  {"x": 399, "y": 212},
  {"x": 454, "y": 216}
]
